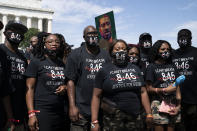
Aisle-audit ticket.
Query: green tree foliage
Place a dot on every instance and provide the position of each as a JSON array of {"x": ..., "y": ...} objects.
[{"x": 31, "y": 32}]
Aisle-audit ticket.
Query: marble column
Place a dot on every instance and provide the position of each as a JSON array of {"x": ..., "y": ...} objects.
[
  {"x": 17, "y": 18},
  {"x": 40, "y": 24},
  {"x": 5, "y": 21},
  {"x": 49, "y": 25},
  {"x": 28, "y": 22}
]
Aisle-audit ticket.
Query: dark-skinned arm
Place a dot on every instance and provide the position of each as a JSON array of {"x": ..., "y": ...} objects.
[
  {"x": 146, "y": 105},
  {"x": 33, "y": 122},
  {"x": 95, "y": 104},
  {"x": 153, "y": 90},
  {"x": 73, "y": 110},
  {"x": 8, "y": 108}
]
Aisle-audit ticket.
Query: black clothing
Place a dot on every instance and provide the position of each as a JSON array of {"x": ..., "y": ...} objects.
[
  {"x": 82, "y": 67},
  {"x": 4, "y": 84},
  {"x": 144, "y": 62},
  {"x": 49, "y": 76},
  {"x": 186, "y": 63},
  {"x": 17, "y": 64},
  {"x": 121, "y": 85},
  {"x": 161, "y": 76}
]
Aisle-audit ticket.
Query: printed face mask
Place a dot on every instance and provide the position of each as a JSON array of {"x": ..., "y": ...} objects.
[
  {"x": 165, "y": 55},
  {"x": 120, "y": 58},
  {"x": 50, "y": 53},
  {"x": 184, "y": 42},
  {"x": 134, "y": 59},
  {"x": 14, "y": 38},
  {"x": 147, "y": 44},
  {"x": 92, "y": 40}
]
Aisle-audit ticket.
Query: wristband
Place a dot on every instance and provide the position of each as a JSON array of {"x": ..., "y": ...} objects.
[
  {"x": 94, "y": 122},
  {"x": 34, "y": 111},
  {"x": 32, "y": 114},
  {"x": 13, "y": 120},
  {"x": 149, "y": 116}
]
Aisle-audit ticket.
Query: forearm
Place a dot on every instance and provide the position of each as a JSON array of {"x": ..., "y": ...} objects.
[
  {"x": 7, "y": 106},
  {"x": 30, "y": 98},
  {"x": 71, "y": 93},
  {"x": 95, "y": 107},
  {"x": 145, "y": 100},
  {"x": 178, "y": 96},
  {"x": 153, "y": 90}
]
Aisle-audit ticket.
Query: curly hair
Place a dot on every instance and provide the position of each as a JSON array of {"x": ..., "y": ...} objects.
[
  {"x": 39, "y": 48},
  {"x": 114, "y": 43},
  {"x": 40, "y": 52},
  {"x": 154, "y": 51}
]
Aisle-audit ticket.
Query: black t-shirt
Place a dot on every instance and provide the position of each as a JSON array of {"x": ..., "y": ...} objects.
[
  {"x": 186, "y": 63},
  {"x": 161, "y": 76},
  {"x": 17, "y": 64},
  {"x": 49, "y": 76},
  {"x": 4, "y": 84},
  {"x": 122, "y": 85},
  {"x": 144, "y": 62},
  {"x": 82, "y": 67}
]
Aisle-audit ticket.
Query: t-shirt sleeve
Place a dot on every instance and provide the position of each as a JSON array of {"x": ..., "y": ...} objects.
[
  {"x": 71, "y": 68},
  {"x": 99, "y": 79},
  {"x": 32, "y": 68},
  {"x": 150, "y": 73}
]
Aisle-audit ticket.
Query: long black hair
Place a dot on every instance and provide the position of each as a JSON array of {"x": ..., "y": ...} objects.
[
  {"x": 39, "y": 48},
  {"x": 154, "y": 51}
]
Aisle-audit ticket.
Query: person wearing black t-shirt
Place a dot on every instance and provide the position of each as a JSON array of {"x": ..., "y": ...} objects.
[
  {"x": 82, "y": 65},
  {"x": 122, "y": 87},
  {"x": 17, "y": 63},
  {"x": 5, "y": 91},
  {"x": 145, "y": 44},
  {"x": 160, "y": 75},
  {"x": 185, "y": 59},
  {"x": 46, "y": 88}
]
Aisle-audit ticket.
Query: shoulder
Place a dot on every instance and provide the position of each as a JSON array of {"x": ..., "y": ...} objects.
[
  {"x": 151, "y": 65},
  {"x": 35, "y": 61},
  {"x": 76, "y": 52}
]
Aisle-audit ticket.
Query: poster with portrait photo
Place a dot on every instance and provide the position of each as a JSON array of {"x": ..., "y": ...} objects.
[{"x": 105, "y": 24}]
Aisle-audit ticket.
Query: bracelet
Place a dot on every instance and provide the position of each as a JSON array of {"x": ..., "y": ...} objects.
[
  {"x": 149, "y": 116},
  {"x": 32, "y": 114},
  {"x": 156, "y": 90},
  {"x": 34, "y": 111},
  {"x": 13, "y": 120},
  {"x": 95, "y": 122}
]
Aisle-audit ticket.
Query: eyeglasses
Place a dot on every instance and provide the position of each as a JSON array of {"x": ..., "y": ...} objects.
[{"x": 50, "y": 42}]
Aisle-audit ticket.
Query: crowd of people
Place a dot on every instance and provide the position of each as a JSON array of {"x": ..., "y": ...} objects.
[{"x": 126, "y": 87}]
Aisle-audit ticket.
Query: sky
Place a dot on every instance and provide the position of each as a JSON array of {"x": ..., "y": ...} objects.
[{"x": 161, "y": 18}]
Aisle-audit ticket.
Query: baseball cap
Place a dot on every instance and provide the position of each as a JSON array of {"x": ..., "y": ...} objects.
[{"x": 16, "y": 25}]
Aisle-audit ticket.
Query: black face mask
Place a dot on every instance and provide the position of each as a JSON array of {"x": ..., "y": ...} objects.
[
  {"x": 50, "y": 53},
  {"x": 14, "y": 38},
  {"x": 184, "y": 42},
  {"x": 134, "y": 59},
  {"x": 92, "y": 40},
  {"x": 165, "y": 55},
  {"x": 120, "y": 58},
  {"x": 147, "y": 44}
]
